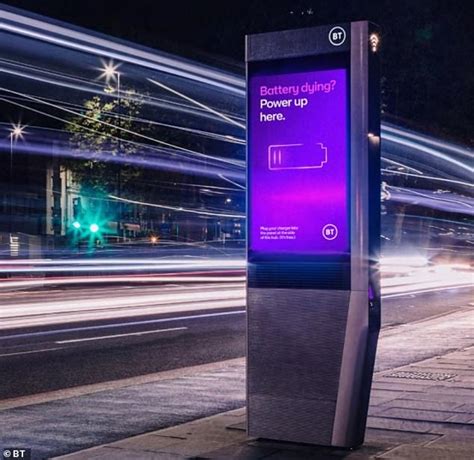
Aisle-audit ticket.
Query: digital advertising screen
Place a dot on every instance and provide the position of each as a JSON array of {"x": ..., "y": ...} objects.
[{"x": 298, "y": 160}]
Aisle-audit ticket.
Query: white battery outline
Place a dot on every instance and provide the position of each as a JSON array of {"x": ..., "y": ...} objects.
[{"x": 275, "y": 154}]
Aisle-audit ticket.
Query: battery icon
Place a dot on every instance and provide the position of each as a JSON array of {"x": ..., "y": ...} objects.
[{"x": 297, "y": 156}]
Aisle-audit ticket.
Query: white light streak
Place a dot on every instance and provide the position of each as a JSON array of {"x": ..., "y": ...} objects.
[
  {"x": 396, "y": 163},
  {"x": 115, "y": 336},
  {"x": 199, "y": 104},
  {"x": 423, "y": 176},
  {"x": 129, "y": 279},
  {"x": 405, "y": 261},
  {"x": 232, "y": 182},
  {"x": 139, "y": 135},
  {"x": 429, "y": 151},
  {"x": 428, "y": 140},
  {"x": 179, "y": 208},
  {"x": 52, "y": 34}
]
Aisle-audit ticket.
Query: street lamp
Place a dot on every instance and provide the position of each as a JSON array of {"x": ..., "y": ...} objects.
[
  {"x": 16, "y": 132},
  {"x": 110, "y": 72}
]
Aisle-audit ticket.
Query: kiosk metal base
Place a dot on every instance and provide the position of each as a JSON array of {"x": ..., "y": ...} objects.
[{"x": 302, "y": 345}]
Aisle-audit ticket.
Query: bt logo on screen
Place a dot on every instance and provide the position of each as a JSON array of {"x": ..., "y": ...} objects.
[{"x": 330, "y": 232}]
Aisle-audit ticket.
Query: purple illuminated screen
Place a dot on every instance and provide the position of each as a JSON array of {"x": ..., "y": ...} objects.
[{"x": 298, "y": 160}]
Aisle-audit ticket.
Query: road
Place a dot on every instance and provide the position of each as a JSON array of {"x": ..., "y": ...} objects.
[
  {"x": 123, "y": 332},
  {"x": 136, "y": 330}
]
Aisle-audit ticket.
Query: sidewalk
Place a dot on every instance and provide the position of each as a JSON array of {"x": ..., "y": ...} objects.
[{"x": 422, "y": 407}]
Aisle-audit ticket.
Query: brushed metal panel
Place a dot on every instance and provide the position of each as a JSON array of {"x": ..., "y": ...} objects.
[
  {"x": 295, "y": 346},
  {"x": 290, "y": 419},
  {"x": 347, "y": 418},
  {"x": 359, "y": 112}
]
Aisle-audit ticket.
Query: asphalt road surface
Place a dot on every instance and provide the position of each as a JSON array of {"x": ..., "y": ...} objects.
[{"x": 164, "y": 334}]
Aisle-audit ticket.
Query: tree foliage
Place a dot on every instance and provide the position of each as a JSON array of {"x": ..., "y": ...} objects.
[{"x": 102, "y": 139}]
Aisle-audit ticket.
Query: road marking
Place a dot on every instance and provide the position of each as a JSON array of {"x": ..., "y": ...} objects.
[
  {"x": 109, "y": 326},
  {"x": 103, "y": 337},
  {"x": 32, "y": 351}
]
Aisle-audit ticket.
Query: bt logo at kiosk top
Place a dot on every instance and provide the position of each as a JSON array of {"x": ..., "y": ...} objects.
[{"x": 337, "y": 36}]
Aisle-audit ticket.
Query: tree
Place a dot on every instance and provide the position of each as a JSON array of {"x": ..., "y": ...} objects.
[{"x": 100, "y": 140}]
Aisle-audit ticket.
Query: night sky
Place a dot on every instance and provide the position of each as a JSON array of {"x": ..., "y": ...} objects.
[{"x": 427, "y": 46}]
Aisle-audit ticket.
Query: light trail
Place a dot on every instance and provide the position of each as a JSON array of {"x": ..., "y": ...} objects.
[
  {"x": 155, "y": 163},
  {"x": 407, "y": 261},
  {"x": 127, "y": 305},
  {"x": 412, "y": 275},
  {"x": 99, "y": 267},
  {"x": 426, "y": 290},
  {"x": 115, "y": 336},
  {"x": 119, "y": 128},
  {"x": 198, "y": 132},
  {"x": 232, "y": 182},
  {"x": 424, "y": 176},
  {"x": 428, "y": 199},
  {"x": 429, "y": 140},
  {"x": 185, "y": 165},
  {"x": 205, "y": 262},
  {"x": 429, "y": 151},
  {"x": 116, "y": 325},
  {"x": 51, "y": 81},
  {"x": 108, "y": 280},
  {"x": 199, "y": 104},
  {"x": 396, "y": 163},
  {"x": 179, "y": 208},
  {"x": 199, "y": 297},
  {"x": 29, "y": 352},
  {"x": 396, "y": 136},
  {"x": 51, "y": 33},
  {"x": 98, "y": 90},
  {"x": 49, "y": 72}
]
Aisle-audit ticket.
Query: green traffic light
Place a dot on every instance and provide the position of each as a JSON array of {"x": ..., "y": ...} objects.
[
  {"x": 76, "y": 224},
  {"x": 94, "y": 228}
]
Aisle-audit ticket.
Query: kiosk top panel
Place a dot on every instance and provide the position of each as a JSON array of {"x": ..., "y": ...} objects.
[{"x": 298, "y": 42}]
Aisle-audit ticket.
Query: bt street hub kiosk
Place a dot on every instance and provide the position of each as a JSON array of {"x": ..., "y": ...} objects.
[{"x": 313, "y": 204}]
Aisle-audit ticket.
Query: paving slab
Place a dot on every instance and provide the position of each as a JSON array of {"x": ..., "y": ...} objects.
[{"x": 416, "y": 453}]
